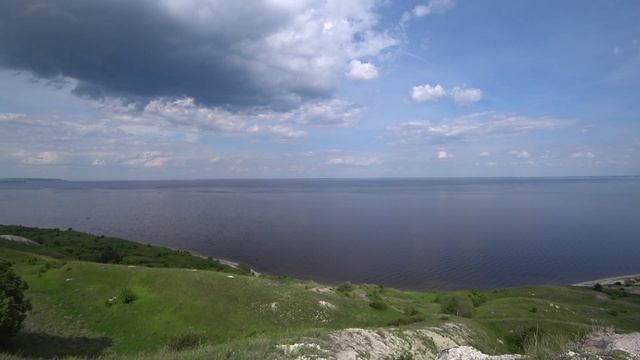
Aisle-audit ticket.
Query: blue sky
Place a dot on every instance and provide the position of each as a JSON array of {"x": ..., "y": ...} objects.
[{"x": 177, "y": 89}]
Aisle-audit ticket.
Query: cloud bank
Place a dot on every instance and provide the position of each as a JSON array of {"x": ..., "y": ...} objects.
[
  {"x": 277, "y": 53},
  {"x": 472, "y": 127}
]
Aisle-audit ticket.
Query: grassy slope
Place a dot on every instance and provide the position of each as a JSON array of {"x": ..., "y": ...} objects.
[
  {"x": 70, "y": 316},
  {"x": 75, "y": 245}
]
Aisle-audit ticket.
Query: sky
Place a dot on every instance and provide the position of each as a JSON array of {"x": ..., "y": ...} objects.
[{"x": 197, "y": 89}]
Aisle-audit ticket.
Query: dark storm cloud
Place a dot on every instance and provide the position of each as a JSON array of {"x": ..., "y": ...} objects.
[{"x": 214, "y": 51}]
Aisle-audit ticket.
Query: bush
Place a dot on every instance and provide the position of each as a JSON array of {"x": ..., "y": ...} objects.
[
  {"x": 346, "y": 288},
  {"x": 185, "y": 341},
  {"x": 109, "y": 256},
  {"x": 477, "y": 298},
  {"x": 244, "y": 268},
  {"x": 407, "y": 320},
  {"x": 525, "y": 336},
  {"x": 597, "y": 287},
  {"x": 410, "y": 311},
  {"x": 13, "y": 305},
  {"x": 405, "y": 356},
  {"x": 379, "y": 305},
  {"x": 533, "y": 310},
  {"x": 127, "y": 296},
  {"x": 457, "y": 305}
]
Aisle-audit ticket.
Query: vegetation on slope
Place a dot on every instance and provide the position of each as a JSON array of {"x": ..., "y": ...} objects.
[
  {"x": 79, "y": 309},
  {"x": 75, "y": 245}
]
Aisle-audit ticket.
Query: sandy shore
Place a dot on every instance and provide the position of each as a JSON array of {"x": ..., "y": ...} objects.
[{"x": 633, "y": 279}]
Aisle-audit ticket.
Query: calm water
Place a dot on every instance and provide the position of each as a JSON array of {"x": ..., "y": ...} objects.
[{"x": 419, "y": 234}]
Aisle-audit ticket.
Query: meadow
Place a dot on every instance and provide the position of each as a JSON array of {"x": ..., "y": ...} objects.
[{"x": 184, "y": 308}]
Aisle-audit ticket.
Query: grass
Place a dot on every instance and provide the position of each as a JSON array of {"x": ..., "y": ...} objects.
[{"x": 247, "y": 317}]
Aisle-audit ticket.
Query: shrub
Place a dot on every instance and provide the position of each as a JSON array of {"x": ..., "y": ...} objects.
[
  {"x": 405, "y": 356},
  {"x": 244, "y": 268},
  {"x": 109, "y": 256},
  {"x": 345, "y": 288},
  {"x": 597, "y": 287},
  {"x": 525, "y": 336},
  {"x": 457, "y": 305},
  {"x": 410, "y": 311},
  {"x": 13, "y": 305},
  {"x": 378, "y": 305},
  {"x": 407, "y": 320},
  {"x": 477, "y": 298},
  {"x": 533, "y": 310},
  {"x": 185, "y": 341},
  {"x": 127, "y": 296}
]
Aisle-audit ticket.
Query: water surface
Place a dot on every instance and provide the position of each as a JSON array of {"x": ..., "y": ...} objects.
[{"x": 416, "y": 233}]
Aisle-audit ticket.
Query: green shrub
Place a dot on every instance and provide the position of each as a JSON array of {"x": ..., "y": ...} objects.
[
  {"x": 109, "y": 256},
  {"x": 346, "y": 288},
  {"x": 457, "y": 305},
  {"x": 127, "y": 296},
  {"x": 407, "y": 320},
  {"x": 525, "y": 336},
  {"x": 378, "y": 305},
  {"x": 185, "y": 341},
  {"x": 244, "y": 268},
  {"x": 597, "y": 287},
  {"x": 477, "y": 298},
  {"x": 405, "y": 356},
  {"x": 13, "y": 305},
  {"x": 533, "y": 310},
  {"x": 410, "y": 311}
]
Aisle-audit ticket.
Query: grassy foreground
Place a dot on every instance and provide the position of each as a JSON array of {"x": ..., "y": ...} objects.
[{"x": 235, "y": 315}]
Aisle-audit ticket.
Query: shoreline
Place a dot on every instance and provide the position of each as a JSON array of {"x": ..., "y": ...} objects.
[
  {"x": 635, "y": 278},
  {"x": 233, "y": 264}
]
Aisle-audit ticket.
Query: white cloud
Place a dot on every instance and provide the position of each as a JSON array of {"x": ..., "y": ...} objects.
[
  {"x": 174, "y": 114},
  {"x": 432, "y": 7},
  {"x": 325, "y": 113},
  {"x": 442, "y": 154},
  {"x": 98, "y": 162},
  {"x": 472, "y": 127},
  {"x": 425, "y": 93},
  {"x": 485, "y": 154},
  {"x": 43, "y": 158},
  {"x": 462, "y": 95},
  {"x": 465, "y": 96},
  {"x": 586, "y": 155},
  {"x": 521, "y": 154},
  {"x": 10, "y": 116},
  {"x": 149, "y": 159},
  {"x": 287, "y": 133},
  {"x": 351, "y": 160},
  {"x": 360, "y": 71}
]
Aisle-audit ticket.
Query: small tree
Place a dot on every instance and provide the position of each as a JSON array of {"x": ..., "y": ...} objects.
[{"x": 13, "y": 305}]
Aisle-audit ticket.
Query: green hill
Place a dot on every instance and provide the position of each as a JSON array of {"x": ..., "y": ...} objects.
[{"x": 227, "y": 313}]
